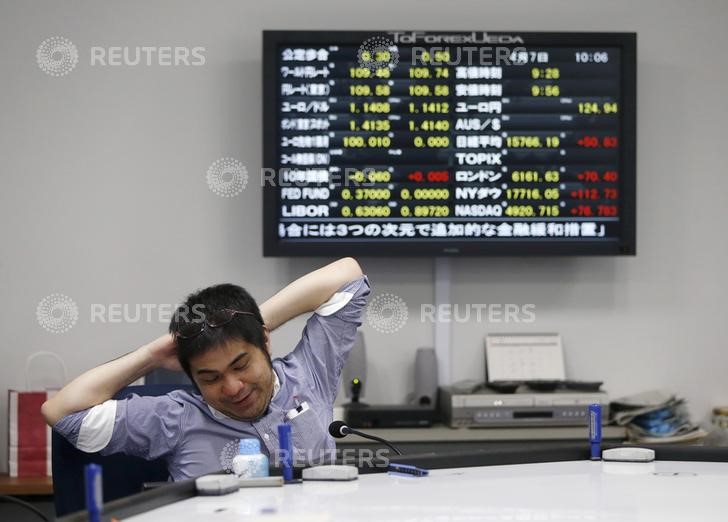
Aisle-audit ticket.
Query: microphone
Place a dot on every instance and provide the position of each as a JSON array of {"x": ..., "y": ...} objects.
[{"x": 339, "y": 430}]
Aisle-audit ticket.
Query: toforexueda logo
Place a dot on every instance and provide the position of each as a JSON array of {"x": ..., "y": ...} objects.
[{"x": 408, "y": 37}]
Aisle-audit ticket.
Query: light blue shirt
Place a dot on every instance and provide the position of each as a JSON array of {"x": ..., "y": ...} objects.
[{"x": 195, "y": 439}]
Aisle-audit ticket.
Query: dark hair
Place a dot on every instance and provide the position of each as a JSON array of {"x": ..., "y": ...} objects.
[{"x": 209, "y": 300}]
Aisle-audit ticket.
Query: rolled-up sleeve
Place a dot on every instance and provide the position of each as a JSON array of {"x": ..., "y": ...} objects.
[
  {"x": 146, "y": 427},
  {"x": 330, "y": 333}
]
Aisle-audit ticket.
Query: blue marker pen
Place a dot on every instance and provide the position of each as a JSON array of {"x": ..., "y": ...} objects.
[
  {"x": 595, "y": 430},
  {"x": 286, "y": 446},
  {"x": 94, "y": 492}
]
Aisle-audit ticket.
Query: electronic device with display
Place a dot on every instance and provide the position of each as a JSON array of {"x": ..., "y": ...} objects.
[
  {"x": 448, "y": 143},
  {"x": 487, "y": 407}
]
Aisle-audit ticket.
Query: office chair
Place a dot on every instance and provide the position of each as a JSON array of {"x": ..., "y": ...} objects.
[
  {"x": 123, "y": 475},
  {"x": 163, "y": 376}
]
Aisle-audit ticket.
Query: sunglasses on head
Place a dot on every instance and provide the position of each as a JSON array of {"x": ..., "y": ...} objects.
[{"x": 188, "y": 329}]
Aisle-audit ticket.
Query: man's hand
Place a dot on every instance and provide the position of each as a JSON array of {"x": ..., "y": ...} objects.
[
  {"x": 163, "y": 351},
  {"x": 103, "y": 382}
]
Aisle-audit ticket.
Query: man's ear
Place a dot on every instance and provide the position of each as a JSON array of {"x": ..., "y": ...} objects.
[{"x": 266, "y": 337}]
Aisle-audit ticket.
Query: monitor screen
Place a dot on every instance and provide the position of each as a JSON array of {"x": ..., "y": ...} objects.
[{"x": 422, "y": 143}]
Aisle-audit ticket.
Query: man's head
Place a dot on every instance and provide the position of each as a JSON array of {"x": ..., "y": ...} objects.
[{"x": 224, "y": 352}]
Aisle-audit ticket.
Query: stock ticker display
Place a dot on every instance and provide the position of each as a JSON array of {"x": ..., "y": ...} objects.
[{"x": 437, "y": 144}]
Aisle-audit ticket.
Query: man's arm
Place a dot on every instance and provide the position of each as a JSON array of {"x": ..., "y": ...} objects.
[
  {"x": 103, "y": 382},
  {"x": 309, "y": 292}
]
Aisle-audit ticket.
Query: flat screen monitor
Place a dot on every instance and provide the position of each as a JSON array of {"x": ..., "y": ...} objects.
[{"x": 437, "y": 143}]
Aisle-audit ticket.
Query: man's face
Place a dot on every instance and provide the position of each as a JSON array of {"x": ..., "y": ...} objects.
[{"x": 235, "y": 379}]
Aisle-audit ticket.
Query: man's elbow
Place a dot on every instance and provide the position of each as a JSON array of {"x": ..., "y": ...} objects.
[
  {"x": 352, "y": 267},
  {"x": 49, "y": 413}
]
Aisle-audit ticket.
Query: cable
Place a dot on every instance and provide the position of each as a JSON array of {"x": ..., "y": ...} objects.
[{"x": 26, "y": 505}]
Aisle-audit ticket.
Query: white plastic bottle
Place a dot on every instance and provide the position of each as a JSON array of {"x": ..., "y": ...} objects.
[{"x": 250, "y": 462}]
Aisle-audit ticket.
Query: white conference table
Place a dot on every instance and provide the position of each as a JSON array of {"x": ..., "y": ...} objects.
[{"x": 661, "y": 491}]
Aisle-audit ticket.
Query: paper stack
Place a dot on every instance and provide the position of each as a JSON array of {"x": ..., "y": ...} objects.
[{"x": 655, "y": 417}]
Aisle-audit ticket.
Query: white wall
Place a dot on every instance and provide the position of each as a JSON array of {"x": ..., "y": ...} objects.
[{"x": 104, "y": 198}]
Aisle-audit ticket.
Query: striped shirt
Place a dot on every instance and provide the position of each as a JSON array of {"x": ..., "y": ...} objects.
[{"x": 196, "y": 439}]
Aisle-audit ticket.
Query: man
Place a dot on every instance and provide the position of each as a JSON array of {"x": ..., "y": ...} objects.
[{"x": 221, "y": 339}]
